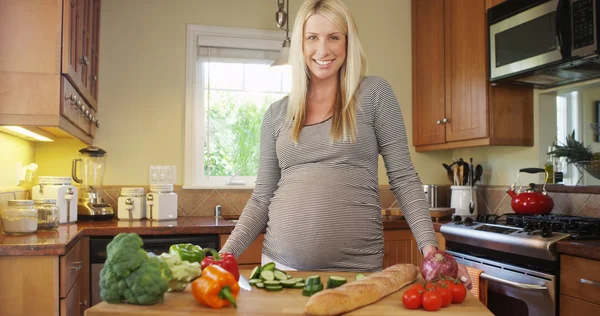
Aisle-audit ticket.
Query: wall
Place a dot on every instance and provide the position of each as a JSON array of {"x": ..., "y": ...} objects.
[
  {"x": 13, "y": 150},
  {"x": 141, "y": 93}
]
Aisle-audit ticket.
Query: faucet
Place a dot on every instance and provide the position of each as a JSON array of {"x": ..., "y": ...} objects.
[{"x": 217, "y": 211}]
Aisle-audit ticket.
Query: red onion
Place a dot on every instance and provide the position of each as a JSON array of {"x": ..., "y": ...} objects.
[{"x": 438, "y": 264}]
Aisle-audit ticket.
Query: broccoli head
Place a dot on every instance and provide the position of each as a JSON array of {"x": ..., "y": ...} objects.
[
  {"x": 182, "y": 272},
  {"x": 130, "y": 275},
  {"x": 147, "y": 285}
]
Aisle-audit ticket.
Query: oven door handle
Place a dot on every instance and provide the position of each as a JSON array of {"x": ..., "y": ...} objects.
[{"x": 517, "y": 285}]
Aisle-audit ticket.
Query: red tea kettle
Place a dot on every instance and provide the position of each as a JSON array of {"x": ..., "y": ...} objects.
[{"x": 531, "y": 201}]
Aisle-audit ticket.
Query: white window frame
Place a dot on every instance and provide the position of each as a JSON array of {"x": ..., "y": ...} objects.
[{"x": 215, "y": 36}]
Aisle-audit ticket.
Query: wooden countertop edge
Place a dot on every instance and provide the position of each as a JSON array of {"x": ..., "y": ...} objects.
[
  {"x": 61, "y": 249},
  {"x": 589, "y": 249}
]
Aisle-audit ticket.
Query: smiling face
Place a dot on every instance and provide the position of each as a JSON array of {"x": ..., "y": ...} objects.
[{"x": 324, "y": 48}]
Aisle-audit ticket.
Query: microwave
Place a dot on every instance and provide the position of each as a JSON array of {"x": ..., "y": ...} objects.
[{"x": 543, "y": 43}]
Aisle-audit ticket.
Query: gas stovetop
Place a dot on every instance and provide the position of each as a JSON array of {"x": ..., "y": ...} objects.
[{"x": 526, "y": 235}]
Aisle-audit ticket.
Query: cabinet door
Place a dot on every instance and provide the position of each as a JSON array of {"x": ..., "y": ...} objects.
[
  {"x": 397, "y": 247},
  {"x": 94, "y": 52},
  {"x": 570, "y": 306},
  {"x": 72, "y": 65},
  {"x": 466, "y": 70},
  {"x": 84, "y": 45},
  {"x": 84, "y": 277},
  {"x": 69, "y": 306},
  {"x": 428, "y": 72},
  {"x": 252, "y": 255}
]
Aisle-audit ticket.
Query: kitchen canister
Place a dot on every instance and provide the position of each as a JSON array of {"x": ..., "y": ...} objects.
[
  {"x": 131, "y": 204},
  {"x": 431, "y": 191},
  {"x": 48, "y": 214},
  {"x": 19, "y": 218},
  {"x": 461, "y": 198},
  {"x": 161, "y": 202},
  {"x": 61, "y": 190}
]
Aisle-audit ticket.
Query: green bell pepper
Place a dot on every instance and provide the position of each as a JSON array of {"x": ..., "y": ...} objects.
[{"x": 188, "y": 252}]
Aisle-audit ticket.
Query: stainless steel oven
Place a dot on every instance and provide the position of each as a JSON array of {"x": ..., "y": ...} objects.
[
  {"x": 513, "y": 290},
  {"x": 156, "y": 244}
]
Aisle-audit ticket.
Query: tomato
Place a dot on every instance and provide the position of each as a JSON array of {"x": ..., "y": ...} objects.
[
  {"x": 430, "y": 285},
  {"x": 412, "y": 299},
  {"x": 449, "y": 283},
  {"x": 446, "y": 294},
  {"x": 432, "y": 300},
  {"x": 417, "y": 286},
  {"x": 459, "y": 292}
]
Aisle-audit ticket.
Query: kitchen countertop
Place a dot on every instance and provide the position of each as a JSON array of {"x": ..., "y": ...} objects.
[
  {"x": 589, "y": 249},
  {"x": 286, "y": 302},
  {"x": 60, "y": 241}
]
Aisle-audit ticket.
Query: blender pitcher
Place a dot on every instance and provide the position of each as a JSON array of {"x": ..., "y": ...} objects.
[{"x": 90, "y": 205}]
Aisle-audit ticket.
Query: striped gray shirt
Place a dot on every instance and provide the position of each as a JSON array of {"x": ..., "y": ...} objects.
[{"x": 318, "y": 200}]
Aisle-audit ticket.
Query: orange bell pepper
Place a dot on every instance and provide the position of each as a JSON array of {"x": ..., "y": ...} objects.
[{"x": 216, "y": 288}]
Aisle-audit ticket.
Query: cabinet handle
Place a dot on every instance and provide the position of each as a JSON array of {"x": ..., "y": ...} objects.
[
  {"x": 438, "y": 122},
  {"x": 94, "y": 77},
  {"x": 96, "y": 123},
  {"x": 584, "y": 281},
  {"x": 77, "y": 265},
  {"x": 72, "y": 98},
  {"x": 84, "y": 303},
  {"x": 78, "y": 104},
  {"x": 445, "y": 120},
  {"x": 84, "y": 60}
]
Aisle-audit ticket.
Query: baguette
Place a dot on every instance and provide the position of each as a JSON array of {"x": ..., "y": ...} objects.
[{"x": 369, "y": 290}]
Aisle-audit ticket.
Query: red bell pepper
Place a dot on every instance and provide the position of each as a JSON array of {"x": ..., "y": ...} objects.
[{"x": 226, "y": 261}]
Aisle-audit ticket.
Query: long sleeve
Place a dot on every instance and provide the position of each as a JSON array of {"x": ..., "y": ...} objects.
[
  {"x": 255, "y": 215},
  {"x": 403, "y": 179}
]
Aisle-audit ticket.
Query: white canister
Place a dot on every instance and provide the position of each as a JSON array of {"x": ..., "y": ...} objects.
[
  {"x": 161, "y": 202},
  {"x": 131, "y": 204},
  {"x": 460, "y": 199},
  {"x": 61, "y": 190}
]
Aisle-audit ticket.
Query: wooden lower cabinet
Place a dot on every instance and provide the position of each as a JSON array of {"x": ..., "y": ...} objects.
[
  {"x": 570, "y": 306},
  {"x": 579, "y": 286},
  {"x": 252, "y": 255},
  {"x": 400, "y": 246},
  {"x": 33, "y": 285}
]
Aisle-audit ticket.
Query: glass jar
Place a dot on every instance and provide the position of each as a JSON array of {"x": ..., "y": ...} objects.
[
  {"x": 48, "y": 214},
  {"x": 19, "y": 217}
]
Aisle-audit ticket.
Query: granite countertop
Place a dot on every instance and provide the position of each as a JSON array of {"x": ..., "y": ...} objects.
[
  {"x": 60, "y": 241},
  {"x": 589, "y": 249}
]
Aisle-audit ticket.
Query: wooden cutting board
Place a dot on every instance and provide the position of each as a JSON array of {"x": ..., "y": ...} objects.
[{"x": 259, "y": 302}]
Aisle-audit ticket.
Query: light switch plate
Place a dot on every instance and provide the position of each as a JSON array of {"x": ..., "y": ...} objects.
[{"x": 163, "y": 174}]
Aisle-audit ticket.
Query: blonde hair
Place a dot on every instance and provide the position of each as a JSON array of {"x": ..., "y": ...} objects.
[{"x": 350, "y": 74}]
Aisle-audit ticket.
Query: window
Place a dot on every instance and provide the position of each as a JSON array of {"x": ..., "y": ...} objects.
[
  {"x": 229, "y": 86},
  {"x": 568, "y": 120}
]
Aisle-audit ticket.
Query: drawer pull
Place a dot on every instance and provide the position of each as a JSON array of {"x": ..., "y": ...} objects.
[
  {"x": 584, "y": 281},
  {"x": 84, "y": 303},
  {"x": 77, "y": 266},
  {"x": 72, "y": 98}
]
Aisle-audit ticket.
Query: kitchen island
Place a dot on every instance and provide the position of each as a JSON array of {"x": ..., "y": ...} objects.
[{"x": 259, "y": 302}]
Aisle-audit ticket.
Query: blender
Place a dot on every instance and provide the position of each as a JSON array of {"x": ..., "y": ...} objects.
[{"x": 90, "y": 205}]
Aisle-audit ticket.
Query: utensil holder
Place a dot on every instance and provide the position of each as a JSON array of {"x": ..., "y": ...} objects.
[{"x": 461, "y": 197}]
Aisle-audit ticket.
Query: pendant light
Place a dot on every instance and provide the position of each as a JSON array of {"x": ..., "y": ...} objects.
[{"x": 281, "y": 17}]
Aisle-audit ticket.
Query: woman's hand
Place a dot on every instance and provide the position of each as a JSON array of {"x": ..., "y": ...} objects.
[{"x": 463, "y": 275}]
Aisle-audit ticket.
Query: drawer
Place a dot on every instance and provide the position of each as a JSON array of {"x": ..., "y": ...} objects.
[
  {"x": 580, "y": 278},
  {"x": 252, "y": 255},
  {"x": 69, "y": 306},
  {"x": 70, "y": 268},
  {"x": 570, "y": 306},
  {"x": 75, "y": 109}
]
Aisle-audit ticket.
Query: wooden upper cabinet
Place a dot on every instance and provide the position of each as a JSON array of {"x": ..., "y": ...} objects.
[
  {"x": 80, "y": 52},
  {"x": 428, "y": 72},
  {"x": 454, "y": 105},
  {"x": 466, "y": 78}
]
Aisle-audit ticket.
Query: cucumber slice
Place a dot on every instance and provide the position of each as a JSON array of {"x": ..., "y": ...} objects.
[
  {"x": 267, "y": 275},
  {"x": 280, "y": 275},
  {"x": 313, "y": 279},
  {"x": 260, "y": 285},
  {"x": 360, "y": 276},
  {"x": 309, "y": 290},
  {"x": 267, "y": 283},
  {"x": 273, "y": 288},
  {"x": 255, "y": 274},
  {"x": 288, "y": 276},
  {"x": 288, "y": 283},
  {"x": 297, "y": 280},
  {"x": 299, "y": 285},
  {"x": 335, "y": 281},
  {"x": 254, "y": 281},
  {"x": 269, "y": 266}
]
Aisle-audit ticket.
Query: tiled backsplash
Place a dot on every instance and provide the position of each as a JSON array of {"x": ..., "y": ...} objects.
[{"x": 490, "y": 200}]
